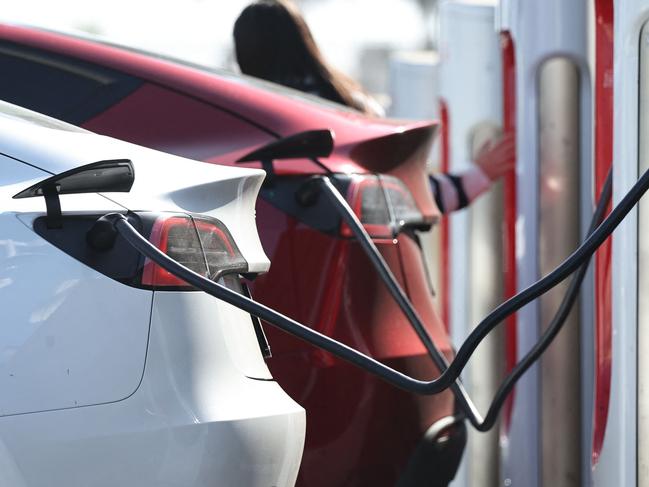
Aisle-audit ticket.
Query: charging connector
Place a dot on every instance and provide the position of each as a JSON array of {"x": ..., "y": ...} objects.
[{"x": 102, "y": 234}]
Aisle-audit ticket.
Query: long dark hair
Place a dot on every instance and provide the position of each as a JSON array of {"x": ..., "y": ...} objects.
[{"x": 273, "y": 42}]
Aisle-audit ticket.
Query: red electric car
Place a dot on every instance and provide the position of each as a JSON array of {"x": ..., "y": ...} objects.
[{"x": 360, "y": 431}]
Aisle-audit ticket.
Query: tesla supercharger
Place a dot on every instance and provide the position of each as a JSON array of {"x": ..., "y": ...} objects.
[
  {"x": 622, "y": 457},
  {"x": 413, "y": 85},
  {"x": 470, "y": 90},
  {"x": 413, "y": 95},
  {"x": 547, "y": 432}
]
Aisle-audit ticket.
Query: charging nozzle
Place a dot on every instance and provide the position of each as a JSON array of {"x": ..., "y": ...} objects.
[{"x": 102, "y": 234}]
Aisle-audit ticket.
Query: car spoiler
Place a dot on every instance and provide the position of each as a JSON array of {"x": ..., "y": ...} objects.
[
  {"x": 387, "y": 152},
  {"x": 404, "y": 154}
]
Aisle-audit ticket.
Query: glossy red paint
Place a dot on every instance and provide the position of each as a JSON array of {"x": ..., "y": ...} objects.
[
  {"x": 350, "y": 449},
  {"x": 377, "y": 327},
  {"x": 603, "y": 160},
  {"x": 161, "y": 117},
  {"x": 360, "y": 431},
  {"x": 509, "y": 222}
]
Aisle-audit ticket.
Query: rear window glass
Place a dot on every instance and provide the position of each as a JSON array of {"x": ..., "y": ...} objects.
[
  {"x": 238, "y": 78},
  {"x": 60, "y": 87}
]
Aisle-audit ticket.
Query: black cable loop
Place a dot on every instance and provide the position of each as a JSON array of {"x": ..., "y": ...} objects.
[
  {"x": 467, "y": 405},
  {"x": 449, "y": 376},
  {"x": 390, "y": 281},
  {"x": 555, "y": 325}
]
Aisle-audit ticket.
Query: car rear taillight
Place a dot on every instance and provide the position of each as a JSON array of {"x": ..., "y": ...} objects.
[
  {"x": 383, "y": 204},
  {"x": 203, "y": 245}
]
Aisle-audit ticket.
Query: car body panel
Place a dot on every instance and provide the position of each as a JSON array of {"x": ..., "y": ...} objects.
[
  {"x": 154, "y": 115},
  {"x": 55, "y": 350},
  {"x": 191, "y": 423},
  {"x": 103, "y": 383},
  {"x": 58, "y": 341},
  {"x": 374, "y": 424}
]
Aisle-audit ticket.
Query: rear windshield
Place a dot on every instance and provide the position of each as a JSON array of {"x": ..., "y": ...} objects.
[{"x": 223, "y": 73}]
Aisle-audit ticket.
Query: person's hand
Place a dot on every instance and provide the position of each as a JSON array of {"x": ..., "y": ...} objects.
[{"x": 496, "y": 157}]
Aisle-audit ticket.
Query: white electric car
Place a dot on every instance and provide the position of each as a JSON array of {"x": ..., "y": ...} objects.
[{"x": 113, "y": 372}]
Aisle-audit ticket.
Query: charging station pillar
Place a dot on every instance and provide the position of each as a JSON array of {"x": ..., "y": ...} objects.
[
  {"x": 621, "y": 455},
  {"x": 413, "y": 94},
  {"x": 470, "y": 92},
  {"x": 543, "y": 445}
]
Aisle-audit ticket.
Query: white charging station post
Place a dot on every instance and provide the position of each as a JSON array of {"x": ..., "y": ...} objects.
[
  {"x": 470, "y": 88},
  {"x": 546, "y": 438},
  {"x": 413, "y": 95},
  {"x": 624, "y": 457}
]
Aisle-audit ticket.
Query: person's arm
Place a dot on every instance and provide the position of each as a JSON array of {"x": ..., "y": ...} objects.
[{"x": 455, "y": 191}]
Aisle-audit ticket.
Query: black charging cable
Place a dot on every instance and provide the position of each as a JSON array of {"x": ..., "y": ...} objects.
[
  {"x": 555, "y": 325},
  {"x": 142, "y": 245},
  {"x": 448, "y": 376},
  {"x": 386, "y": 275},
  {"x": 383, "y": 270}
]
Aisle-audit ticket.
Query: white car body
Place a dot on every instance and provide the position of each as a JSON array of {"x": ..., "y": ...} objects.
[{"x": 105, "y": 384}]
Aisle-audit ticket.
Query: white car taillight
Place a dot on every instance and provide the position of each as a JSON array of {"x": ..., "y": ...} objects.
[
  {"x": 383, "y": 204},
  {"x": 203, "y": 245}
]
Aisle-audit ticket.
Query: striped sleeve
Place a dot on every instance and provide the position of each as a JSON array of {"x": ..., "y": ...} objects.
[{"x": 455, "y": 191}]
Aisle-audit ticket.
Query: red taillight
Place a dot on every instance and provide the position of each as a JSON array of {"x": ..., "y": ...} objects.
[
  {"x": 204, "y": 246},
  {"x": 383, "y": 204}
]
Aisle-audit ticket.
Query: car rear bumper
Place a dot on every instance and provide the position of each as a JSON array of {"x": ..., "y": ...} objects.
[
  {"x": 195, "y": 420},
  {"x": 136, "y": 442}
]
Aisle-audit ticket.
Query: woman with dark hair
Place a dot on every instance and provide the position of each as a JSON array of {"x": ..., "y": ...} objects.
[{"x": 273, "y": 42}]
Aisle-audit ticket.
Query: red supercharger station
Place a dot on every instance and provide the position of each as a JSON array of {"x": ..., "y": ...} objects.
[
  {"x": 574, "y": 86},
  {"x": 533, "y": 220},
  {"x": 620, "y": 453},
  {"x": 470, "y": 95},
  {"x": 547, "y": 101}
]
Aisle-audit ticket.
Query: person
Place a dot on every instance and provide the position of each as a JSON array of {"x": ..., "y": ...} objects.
[{"x": 273, "y": 42}]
